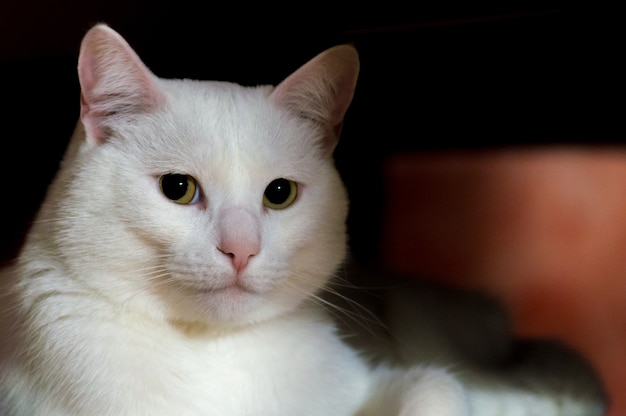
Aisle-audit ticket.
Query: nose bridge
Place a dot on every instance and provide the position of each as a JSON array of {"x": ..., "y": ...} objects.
[{"x": 237, "y": 223}]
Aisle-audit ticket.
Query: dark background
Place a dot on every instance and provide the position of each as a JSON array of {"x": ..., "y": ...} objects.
[{"x": 433, "y": 77}]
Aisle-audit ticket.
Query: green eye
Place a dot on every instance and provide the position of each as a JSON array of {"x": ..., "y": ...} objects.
[
  {"x": 180, "y": 188},
  {"x": 280, "y": 193}
]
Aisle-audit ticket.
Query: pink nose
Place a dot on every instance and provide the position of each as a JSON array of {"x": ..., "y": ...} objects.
[
  {"x": 240, "y": 252},
  {"x": 239, "y": 236}
]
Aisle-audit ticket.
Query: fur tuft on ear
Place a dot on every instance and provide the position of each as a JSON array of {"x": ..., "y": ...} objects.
[
  {"x": 114, "y": 81},
  {"x": 321, "y": 90}
]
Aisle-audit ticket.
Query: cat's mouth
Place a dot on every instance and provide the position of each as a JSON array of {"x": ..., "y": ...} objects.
[
  {"x": 230, "y": 288},
  {"x": 238, "y": 286}
]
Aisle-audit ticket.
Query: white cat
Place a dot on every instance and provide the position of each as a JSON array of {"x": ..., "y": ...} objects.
[{"x": 174, "y": 266}]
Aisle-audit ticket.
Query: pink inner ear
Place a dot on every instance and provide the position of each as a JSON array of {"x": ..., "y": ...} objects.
[
  {"x": 87, "y": 83},
  {"x": 87, "y": 79}
]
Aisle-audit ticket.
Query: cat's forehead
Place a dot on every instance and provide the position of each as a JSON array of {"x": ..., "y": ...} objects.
[
  {"x": 208, "y": 89},
  {"x": 223, "y": 124}
]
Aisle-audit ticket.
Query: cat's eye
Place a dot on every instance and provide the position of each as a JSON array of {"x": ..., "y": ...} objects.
[
  {"x": 280, "y": 193},
  {"x": 180, "y": 188}
]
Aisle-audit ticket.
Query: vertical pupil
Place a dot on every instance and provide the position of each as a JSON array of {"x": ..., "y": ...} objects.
[
  {"x": 175, "y": 186},
  {"x": 278, "y": 191}
]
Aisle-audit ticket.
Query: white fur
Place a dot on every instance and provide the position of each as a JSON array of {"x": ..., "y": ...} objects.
[{"x": 123, "y": 302}]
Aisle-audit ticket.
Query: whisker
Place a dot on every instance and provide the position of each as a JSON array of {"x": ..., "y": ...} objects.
[{"x": 352, "y": 312}]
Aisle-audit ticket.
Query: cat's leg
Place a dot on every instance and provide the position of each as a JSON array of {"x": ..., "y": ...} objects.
[{"x": 415, "y": 392}]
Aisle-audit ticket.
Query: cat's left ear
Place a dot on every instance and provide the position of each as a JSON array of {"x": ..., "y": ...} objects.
[{"x": 321, "y": 90}]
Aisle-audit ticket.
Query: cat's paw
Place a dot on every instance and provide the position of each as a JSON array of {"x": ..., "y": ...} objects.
[
  {"x": 433, "y": 392},
  {"x": 416, "y": 392}
]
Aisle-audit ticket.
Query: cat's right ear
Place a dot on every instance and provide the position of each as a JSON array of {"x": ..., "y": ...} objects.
[
  {"x": 114, "y": 82},
  {"x": 321, "y": 91}
]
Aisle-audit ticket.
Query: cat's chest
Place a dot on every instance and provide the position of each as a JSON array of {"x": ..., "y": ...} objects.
[{"x": 291, "y": 366}]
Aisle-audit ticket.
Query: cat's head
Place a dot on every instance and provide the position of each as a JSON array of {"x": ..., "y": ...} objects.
[{"x": 197, "y": 200}]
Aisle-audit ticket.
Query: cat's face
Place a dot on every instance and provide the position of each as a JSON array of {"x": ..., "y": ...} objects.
[
  {"x": 211, "y": 203},
  {"x": 218, "y": 203}
]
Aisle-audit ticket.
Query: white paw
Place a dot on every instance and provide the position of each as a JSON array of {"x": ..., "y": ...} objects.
[{"x": 434, "y": 392}]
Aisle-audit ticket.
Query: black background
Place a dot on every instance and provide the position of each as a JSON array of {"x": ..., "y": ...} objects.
[{"x": 433, "y": 77}]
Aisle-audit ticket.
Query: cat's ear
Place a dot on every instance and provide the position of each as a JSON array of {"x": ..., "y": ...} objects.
[
  {"x": 114, "y": 81},
  {"x": 321, "y": 90}
]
